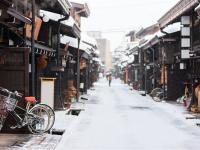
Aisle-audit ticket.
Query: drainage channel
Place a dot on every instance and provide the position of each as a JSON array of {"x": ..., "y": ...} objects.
[
  {"x": 57, "y": 131},
  {"x": 195, "y": 117}
]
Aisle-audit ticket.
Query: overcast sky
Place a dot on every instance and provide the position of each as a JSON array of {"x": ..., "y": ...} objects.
[{"x": 116, "y": 17}]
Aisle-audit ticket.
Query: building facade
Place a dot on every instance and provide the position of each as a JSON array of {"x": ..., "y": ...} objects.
[{"x": 105, "y": 52}]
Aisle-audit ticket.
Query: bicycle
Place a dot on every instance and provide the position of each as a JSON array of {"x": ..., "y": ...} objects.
[
  {"x": 39, "y": 118},
  {"x": 157, "y": 94}
]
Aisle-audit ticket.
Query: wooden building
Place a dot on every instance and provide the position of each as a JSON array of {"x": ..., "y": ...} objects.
[
  {"x": 34, "y": 59},
  {"x": 186, "y": 65}
]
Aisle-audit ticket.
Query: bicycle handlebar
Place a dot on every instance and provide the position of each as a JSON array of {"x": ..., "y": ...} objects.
[
  {"x": 16, "y": 93},
  {"x": 4, "y": 90}
]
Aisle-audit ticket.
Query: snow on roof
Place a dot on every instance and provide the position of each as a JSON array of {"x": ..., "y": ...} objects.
[
  {"x": 51, "y": 15},
  {"x": 146, "y": 40},
  {"x": 78, "y": 1},
  {"x": 131, "y": 59},
  {"x": 87, "y": 48},
  {"x": 96, "y": 52},
  {"x": 89, "y": 40},
  {"x": 124, "y": 58},
  {"x": 122, "y": 47},
  {"x": 72, "y": 41},
  {"x": 169, "y": 29},
  {"x": 124, "y": 64},
  {"x": 96, "y": 59},
  {"x": 55, "y": 17},
  {"x": 119, "y": 65},
  {"x": 172, "y": 28},
  {"x": 131, "y": 45},
  {"x": 150, "y": 37}
]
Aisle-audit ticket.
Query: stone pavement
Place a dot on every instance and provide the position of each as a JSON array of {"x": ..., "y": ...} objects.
[
  {"x": 28, "y": 141},
  {"x": 63, "y": 121}
]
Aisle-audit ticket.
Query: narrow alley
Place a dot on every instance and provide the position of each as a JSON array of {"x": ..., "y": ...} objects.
[{"x": 119, "y": 118}]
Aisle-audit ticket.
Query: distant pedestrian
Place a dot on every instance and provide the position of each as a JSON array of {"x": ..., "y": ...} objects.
[{"x": 109, "y": 79}]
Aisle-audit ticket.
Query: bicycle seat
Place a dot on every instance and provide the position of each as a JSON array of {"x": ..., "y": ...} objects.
[{"x": 31, "y": 99}]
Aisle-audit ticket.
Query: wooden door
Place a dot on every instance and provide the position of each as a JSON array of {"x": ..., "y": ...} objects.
[{"x": 14, "y": 69}]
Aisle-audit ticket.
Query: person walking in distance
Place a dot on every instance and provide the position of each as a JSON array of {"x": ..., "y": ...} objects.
[{"x": 109, "y": 79}]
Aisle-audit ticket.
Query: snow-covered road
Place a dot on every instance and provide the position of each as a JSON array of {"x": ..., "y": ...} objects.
[{"x": 116, "y": 118}]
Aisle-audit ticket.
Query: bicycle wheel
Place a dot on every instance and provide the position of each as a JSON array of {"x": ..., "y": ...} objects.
[
  {"x": 158, "y": 97},
  {"x": 51, "y": 115},
  {"x": 2, "y": 120},
  {"x": 38, "y": 119}
]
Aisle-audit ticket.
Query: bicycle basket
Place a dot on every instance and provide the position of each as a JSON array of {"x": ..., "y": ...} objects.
[
  {"x": 7, "y": 103},
  {"x": 3, "y": 110}
]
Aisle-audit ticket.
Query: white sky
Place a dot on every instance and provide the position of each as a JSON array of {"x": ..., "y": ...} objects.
[{"x": 116, "y": 17}]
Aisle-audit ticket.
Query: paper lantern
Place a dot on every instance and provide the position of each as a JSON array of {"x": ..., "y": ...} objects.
[{"x": 42, "y": 62}]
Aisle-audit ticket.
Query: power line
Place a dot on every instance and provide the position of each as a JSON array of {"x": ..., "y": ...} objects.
[
  {"x": 116, "y": 5},
  {"x": 113, "y": 30}
]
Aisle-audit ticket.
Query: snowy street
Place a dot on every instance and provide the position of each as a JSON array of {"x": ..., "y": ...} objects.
[
  {"x": 120, "y": 119},
  {"x": 100, "y": 75}
]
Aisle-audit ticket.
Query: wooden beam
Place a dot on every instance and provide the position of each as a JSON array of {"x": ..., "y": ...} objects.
[{"x": 168, "y": 40}]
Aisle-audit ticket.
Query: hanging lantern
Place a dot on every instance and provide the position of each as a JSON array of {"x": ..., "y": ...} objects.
[
  {"x": 42, "y": 62},
  {"x": 197, "y": 94},
  {"x": 82, "y": 64}
]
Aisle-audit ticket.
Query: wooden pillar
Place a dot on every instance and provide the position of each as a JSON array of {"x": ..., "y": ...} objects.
[{"x": 33, "y": 49}]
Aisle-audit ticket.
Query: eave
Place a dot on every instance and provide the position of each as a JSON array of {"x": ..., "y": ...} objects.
[
  {"x": 176, "y": 11},
  {"x": 72, "y": 31},
  {"x": 81, "y": 9},
  {"x": 60, "y": 6}
]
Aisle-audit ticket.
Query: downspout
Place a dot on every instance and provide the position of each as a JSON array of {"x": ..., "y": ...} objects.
[
  {"x": 58, "y": 38},
  {"x": 78, "y": 72},
  {"x": 58, "y": 60},
  {"x": 33, "y": 50}
]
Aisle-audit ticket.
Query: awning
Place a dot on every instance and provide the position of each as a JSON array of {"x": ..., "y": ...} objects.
[
  {"x": 72, "y": 31},
  {"x": 42, "y": 49},
  {"x": 73, "y": 44},
  {"x": 18, "y": 15},
  {"x": 56, "y": 6},
  {"x": 151, "y": 40},
  {"x": 180, "y": 8},
  {"x": 150, "y": 43}
]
